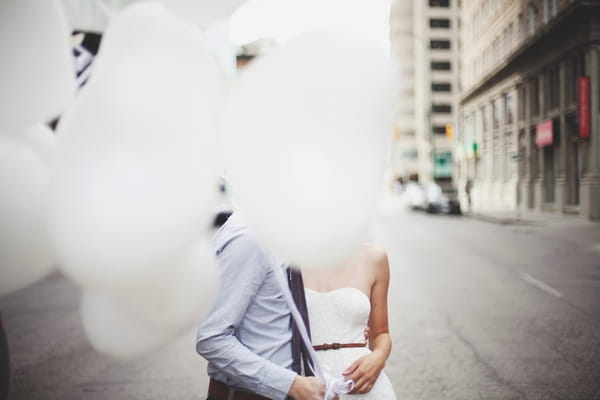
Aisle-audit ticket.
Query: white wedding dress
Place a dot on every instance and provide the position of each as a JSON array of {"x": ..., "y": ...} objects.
[{"x": 341, "y": 316}]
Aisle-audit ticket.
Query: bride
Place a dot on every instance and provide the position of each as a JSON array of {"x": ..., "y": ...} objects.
[{"x": 347, "y": 308}]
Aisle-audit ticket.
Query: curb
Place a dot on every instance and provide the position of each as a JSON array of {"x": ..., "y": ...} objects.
[{"x": 504, "y": 220}]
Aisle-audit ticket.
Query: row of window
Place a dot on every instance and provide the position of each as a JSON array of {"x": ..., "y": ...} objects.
[
  {"x": 440, "y": 44},
  {"x": 483, "y": 16},
  {"x": 550, "y": 79},
  {"x": 505, "y": 43},
  {"x": 490, "y": 115}
]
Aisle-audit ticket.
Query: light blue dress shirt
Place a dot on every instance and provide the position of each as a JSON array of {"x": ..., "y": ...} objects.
[{"x": 246, "y": 336}]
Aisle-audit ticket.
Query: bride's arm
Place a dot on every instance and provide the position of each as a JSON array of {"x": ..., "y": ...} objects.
[{"x": 366, "y": 370}]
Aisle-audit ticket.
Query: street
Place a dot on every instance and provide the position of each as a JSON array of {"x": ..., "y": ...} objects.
[{"x": 477, "y": 311}]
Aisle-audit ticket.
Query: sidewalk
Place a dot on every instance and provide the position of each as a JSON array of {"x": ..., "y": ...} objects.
[{"x": 530, "y": 218}]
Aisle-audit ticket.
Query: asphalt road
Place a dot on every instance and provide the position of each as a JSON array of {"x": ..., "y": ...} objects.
[
  {"x": 487, "y": 311},
  {"x": 477, "y": 311}
]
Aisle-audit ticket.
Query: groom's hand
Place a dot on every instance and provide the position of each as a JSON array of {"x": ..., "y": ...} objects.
[{"x": 307, "y": 388}]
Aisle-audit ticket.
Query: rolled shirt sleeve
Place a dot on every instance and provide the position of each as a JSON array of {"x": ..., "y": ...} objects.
[{"x": 241, "y": 336}]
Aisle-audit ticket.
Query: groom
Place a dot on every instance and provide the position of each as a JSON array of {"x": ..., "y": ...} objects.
[{"x": 246, "y": 336}]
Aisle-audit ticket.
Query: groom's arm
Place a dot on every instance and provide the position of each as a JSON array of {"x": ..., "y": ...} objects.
[{"x": 243, "y": 271}]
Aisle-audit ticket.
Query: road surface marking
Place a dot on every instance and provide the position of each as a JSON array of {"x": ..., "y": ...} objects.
[{"x": 540, "y": 285}]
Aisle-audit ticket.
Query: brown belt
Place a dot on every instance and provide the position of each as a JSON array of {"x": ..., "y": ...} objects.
[
  {"x": 223, "y": 392},
  {"x": 335, "y": 346}
]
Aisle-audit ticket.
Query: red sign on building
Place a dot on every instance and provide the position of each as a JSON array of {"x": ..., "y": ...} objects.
[
  {"x": 583, "y": 106},
  {"x": 544, "y": 133}
]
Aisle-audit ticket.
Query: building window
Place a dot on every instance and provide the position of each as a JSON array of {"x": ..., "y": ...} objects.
[
  {"x": 522, "y": 95},
  {"x": 532, "y": 14},
  {"x": 440, "y": 65},
  {"x": 439, "y": 130},
  {"x": 439, "y": 44},
  {"x": 442, "y": 164},
  {"x": 575, "y": 69},
  {"x": 411, "y": 154},
  {"x": 552, "y": 78},
  {"x": 439, "y": 3},
  {"x": 509, "y": 106},
  {"x": 441, "y": 87},
  {"x": 441, "y": 108},
  {"x": 545, "y": 11},
  {"x": 496, "y": 114},
  {"x": 496, "y": 51},
  {"x": 534, "y": 97},
  {"x": 521, "y": 29},
  {"x": 507, "y": 39},
  {"x": 439, "y": 23}
]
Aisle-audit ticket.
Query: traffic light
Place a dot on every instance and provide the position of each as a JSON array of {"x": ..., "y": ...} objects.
[{"x": 449, "y": 131}]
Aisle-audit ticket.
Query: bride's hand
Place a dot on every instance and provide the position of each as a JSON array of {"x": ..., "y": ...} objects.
[{"x": 365, "y": 371}]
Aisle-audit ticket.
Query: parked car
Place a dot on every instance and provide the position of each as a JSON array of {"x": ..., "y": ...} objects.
[
  {"x": 451, "y": 203},
  {"x": 415, "y": 196},
  {"x": 440, "y": 200}
]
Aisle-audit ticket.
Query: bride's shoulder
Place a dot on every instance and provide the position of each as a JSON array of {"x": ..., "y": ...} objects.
[{"x": 375, "y": 255}]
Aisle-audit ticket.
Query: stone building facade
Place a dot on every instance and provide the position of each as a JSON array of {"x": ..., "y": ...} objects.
[{"x": 529, "y": 135}]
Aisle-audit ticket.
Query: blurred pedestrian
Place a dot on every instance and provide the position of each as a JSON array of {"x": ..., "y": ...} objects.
[{"x": 468, "y": 188}]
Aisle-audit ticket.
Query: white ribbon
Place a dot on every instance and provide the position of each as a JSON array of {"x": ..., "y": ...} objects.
[{"x": 335, "y": 385}]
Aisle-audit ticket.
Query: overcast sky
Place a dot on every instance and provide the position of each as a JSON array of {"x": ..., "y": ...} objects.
[{"x": 284, "y": 19}]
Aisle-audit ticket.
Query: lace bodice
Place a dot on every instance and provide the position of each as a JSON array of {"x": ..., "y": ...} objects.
[{"x": 339, "y": 316}]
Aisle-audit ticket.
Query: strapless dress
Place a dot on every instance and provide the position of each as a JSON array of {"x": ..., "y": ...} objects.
[{"x": 341, "y": 316}]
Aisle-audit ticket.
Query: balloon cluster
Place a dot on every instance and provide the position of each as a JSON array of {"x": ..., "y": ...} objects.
[{"x": 121, "y": 198}]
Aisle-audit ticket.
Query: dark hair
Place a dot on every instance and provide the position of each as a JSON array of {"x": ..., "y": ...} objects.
[{"x": 221, "y": 218}]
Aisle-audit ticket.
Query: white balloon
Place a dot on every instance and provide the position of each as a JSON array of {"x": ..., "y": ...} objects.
[
  {"x": 178, "y": 300},
  {"x": 136, "y": 169},
  {"x": 127, "y": 325},
  {"x": 306, "y": 135},
  {"x": 202, "y": 12},
  {"x": 114, "y": 331},
  {"x": 25, "y": 253},
  {"x": 36, "y": 74},
  {"x": 90, "y": 16},
  {"x": 42, "y": 140}
]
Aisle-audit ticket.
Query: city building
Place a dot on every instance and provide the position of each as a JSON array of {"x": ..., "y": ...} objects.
[
  {"x": 424, "y": 46},
  {"x": 528, "y": 137}
]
